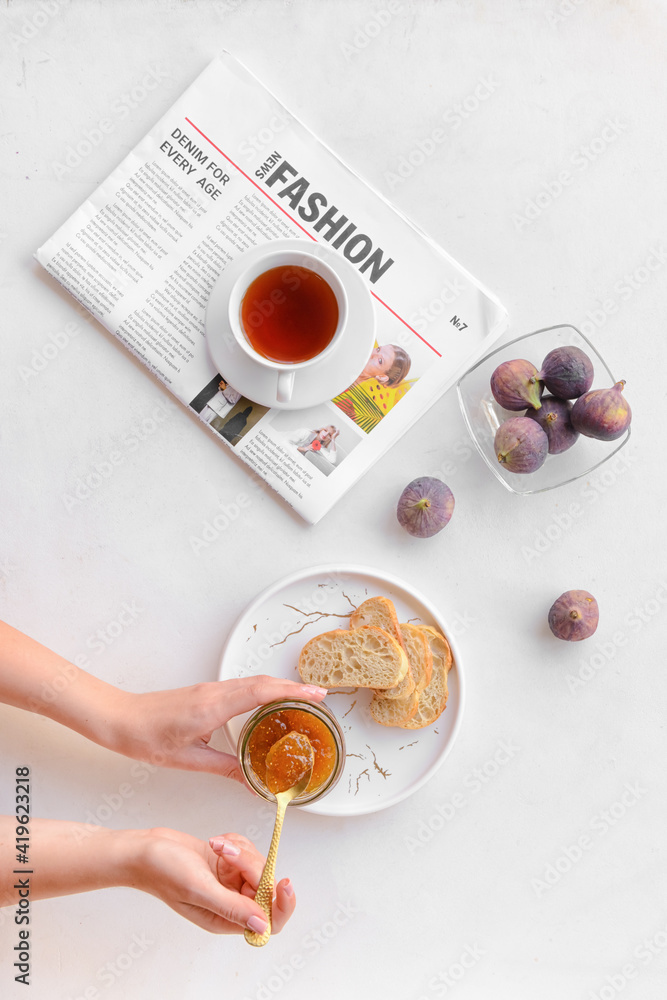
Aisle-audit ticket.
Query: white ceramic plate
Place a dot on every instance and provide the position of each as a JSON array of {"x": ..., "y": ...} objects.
[
  {"x": 316, "y": 383},
  {"x": 383, "y": 765}
]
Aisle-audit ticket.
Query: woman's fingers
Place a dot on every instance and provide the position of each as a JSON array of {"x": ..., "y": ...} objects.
[
  {"x": 283, "y": 905},
  {"x": 245, "y": 694},
  {"x": 214, "y": 703},
  {"x": 205, "y": 758},
  {"x": 240, "y": 856},
  {"x": 200, "y": 885},
  {"x": 228, "y": 911}
]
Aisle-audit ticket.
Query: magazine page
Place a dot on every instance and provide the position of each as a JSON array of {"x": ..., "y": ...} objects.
[{"x": 228, "y": 168}]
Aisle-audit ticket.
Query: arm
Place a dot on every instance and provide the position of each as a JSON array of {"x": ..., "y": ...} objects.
[
  {"x": 35, "y": 678},
  {"x": 166, "y": 728},
  {"x": 213, "y": 885}
]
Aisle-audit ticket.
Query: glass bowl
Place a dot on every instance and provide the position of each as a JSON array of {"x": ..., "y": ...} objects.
[
  {"x": 483, "y": 416},
  {"x": 320, "y": 712}
]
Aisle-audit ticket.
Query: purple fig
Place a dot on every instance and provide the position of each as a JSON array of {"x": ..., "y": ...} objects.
[
  {"x": 602, "y": 413},
  {"x": 554, "y": 418},
  {"x": 521, "y": 445},
  {"x": 567, "y": 372},
  {"x": 515, "y": 385},
  {"x": 425, "y": 506},
  {"x": 574, "y": 615}
]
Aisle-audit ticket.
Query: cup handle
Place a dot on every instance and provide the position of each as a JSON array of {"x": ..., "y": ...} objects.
[{"x": 285, "y": 386}]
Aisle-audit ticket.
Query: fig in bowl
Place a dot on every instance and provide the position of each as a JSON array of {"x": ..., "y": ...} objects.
[
  {"x": 425, "y": 506},
  {"x": 516, "y": 384},
  {"x": 521, "y": 445},
  {"x": 603, "y": 413},
  {"x": 554, "y": 418},
  {"x": 567, "y": 372}
]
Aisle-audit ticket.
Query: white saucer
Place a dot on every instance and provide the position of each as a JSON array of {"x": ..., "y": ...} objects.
[{"x": 312, "y": 385}]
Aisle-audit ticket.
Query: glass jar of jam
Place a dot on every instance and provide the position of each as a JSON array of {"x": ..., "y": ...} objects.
[{"x": 273, "y": 721}]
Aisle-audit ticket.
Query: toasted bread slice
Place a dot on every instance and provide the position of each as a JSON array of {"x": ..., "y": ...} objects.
[
  {"x": 429, "y": 631},
  {"x": 380, "y": 611},
  {"x": 419, "y": 653},
  {"x": 394, "y": 711},
  {"x": 433, "y": 699},
  {"x": 365, "y": 657}
]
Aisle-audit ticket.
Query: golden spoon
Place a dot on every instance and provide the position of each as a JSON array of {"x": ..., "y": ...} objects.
[{"x": 291, "y": 759}]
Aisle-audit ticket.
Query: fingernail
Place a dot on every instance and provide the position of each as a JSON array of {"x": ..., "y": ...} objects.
[
  {"x": 257, "y": 924},
  {"x": 288, "y": 888},
  {"x": 232, "y": 851},
  {"x": 216, "y": 843},
  {"x": 313, "y": 689}
]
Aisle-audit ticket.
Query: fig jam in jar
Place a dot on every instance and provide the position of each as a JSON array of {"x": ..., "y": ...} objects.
[{"x": 270, "y": 723}]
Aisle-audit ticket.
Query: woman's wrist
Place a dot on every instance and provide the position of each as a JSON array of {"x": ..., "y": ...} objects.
[
  {"x": 128, "y": 852},
  {"x": 77, "y": 857},
  {"x": 37, "y": 679},
  {"x": 114, "y": 857},
  {"x": 91, "y": 707}
]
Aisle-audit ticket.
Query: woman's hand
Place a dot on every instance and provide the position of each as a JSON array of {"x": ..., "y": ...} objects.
[
  {"x": 213, "y": 884},
  {"x": 172, "y": 728},
  {"x": 166, "y": 728}
]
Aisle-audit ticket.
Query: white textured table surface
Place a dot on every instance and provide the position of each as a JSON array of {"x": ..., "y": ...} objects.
[{"x": 546, "y": 878}]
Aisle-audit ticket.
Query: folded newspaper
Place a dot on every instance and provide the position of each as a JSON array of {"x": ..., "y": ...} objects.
[{"x": 229, "y": 168}]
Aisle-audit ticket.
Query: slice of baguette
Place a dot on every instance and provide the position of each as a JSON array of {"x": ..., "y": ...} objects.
[
  {"x": 380, "y": 611},
  {"x": 431, "y": 632},
  {"x": 419, "y": 653},
  {"x": 433, "y": 699},
  {"x": 394, "y": 711},
  {"x": 365, "y": 657}
]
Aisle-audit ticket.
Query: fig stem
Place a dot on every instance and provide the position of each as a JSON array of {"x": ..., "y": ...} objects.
[
  {"x": 421, "y": 504},
  {"x": 574, "y": 614}
]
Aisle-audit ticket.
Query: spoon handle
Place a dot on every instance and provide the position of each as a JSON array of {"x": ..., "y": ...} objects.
[{"x": 264, "y": 894}]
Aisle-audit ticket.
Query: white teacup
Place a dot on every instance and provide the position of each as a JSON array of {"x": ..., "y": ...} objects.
[{"x": 309, "y": 259}]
